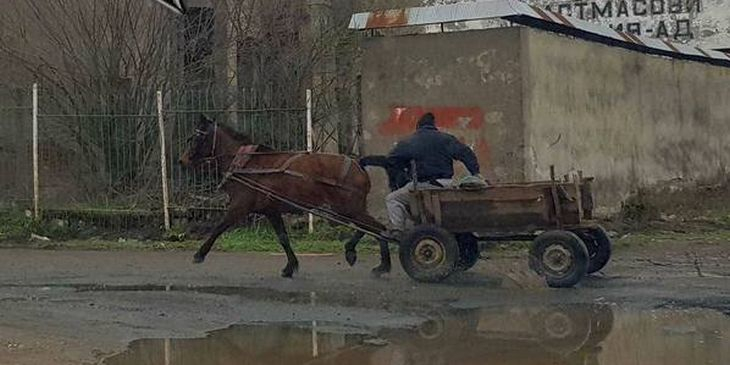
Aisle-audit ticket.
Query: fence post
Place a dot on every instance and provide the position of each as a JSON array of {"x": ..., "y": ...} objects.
[
  {"x": 163, "y": 162},
  {"x": 310, "y": 145},
  {"x": 36, "y": 184}
]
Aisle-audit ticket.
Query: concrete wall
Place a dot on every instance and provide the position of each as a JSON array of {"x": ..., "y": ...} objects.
[
  {"x": 627, "y": 118},
  {"x": 470, "y": 80}
]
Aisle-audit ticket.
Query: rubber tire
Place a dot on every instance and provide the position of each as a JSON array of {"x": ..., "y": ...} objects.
[
  {"x": 598, "y": 245},
  {"x": 571, "y": 242},
  {"x": 443, "y": 326},
  {"x": 448, "y": 244},
  {"x": 468, "y": 251},
  {"x": 571, "y": 333},
  {"x": 602, "y": 319}
]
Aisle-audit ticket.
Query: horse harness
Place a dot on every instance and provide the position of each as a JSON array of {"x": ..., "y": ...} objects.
[
  {"x": 238, "y": 171},
  {"x": 246, "y": 153},
  {"x": 199, "y": 132}
]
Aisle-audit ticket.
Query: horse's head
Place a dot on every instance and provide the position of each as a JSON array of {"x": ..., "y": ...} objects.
[{"x": 201, "y": 145}]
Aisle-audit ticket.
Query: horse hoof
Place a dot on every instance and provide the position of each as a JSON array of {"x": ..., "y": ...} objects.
[
  {"x": 289, "y": 270},
  {"x": 351, "y": 257},
  {"x": 380, "y": 270},
  {"x": 198, "y": 259}
]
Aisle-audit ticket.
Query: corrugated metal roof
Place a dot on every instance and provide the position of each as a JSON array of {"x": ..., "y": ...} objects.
[
  {"x": 525, "y": 14},
  {"x": 177, "y": 6}
]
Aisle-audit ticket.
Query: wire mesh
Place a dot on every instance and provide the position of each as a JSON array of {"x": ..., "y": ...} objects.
[
  {"x": 281, "y": 127},
  {"x": 98, "y": 162},
  {"x": 15, "y": 153},
  {"x": 102, "y": 170}
]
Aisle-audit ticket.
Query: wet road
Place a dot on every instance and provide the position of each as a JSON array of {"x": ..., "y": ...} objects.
[
  {"x": 553, "y": 334},
  {"x": 66, "y": 307}
]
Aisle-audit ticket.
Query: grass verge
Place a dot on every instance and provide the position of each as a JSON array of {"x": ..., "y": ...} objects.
[{"x": 16, "y": 230}]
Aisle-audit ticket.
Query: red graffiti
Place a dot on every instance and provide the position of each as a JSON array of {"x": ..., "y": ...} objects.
[
  {"x": 402, "y": 120},
  {"x": 466, "y": 124}
]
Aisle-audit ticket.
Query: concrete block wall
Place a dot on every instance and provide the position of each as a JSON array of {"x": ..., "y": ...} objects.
[
  {"x": 470, "y": 80},
  {"x": 627, "y": 118}
]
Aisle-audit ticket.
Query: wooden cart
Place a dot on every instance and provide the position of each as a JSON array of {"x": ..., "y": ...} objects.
[{"x": 554, "y": 215}]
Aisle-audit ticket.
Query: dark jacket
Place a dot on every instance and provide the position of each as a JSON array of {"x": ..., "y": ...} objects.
[
  {"x": 397, "y": 178},
  {"x": 434, "y": 153}
]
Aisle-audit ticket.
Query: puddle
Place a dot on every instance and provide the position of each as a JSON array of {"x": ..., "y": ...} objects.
[{"x": 556, "y": 335}]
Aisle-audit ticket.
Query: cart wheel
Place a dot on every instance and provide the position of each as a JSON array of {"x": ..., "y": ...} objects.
[
  {"x": 601, "y": 323},
  {"x": 561, "y": 257},
  {"x": 444, "y": 326},
  {"x": 468, "y": 251},
  {"x": 598, "y": 245},
  {"x": 562, "y": 329},
  {"x": 428, "y": 253}
]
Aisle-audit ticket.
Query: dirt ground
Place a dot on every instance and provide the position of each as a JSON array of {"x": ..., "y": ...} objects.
[{"x": 71, "y": 307}]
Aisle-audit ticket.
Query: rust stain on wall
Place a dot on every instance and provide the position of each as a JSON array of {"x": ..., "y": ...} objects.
[{"x": 388, "y": 18}]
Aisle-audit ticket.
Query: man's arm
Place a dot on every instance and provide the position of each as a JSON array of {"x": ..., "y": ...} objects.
[
  {"x": 400, "y": 157},
  {"x": 463, "y": 153}
]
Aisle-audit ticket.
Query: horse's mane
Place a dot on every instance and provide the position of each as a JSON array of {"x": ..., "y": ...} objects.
[
  {"x": 242, "y": 137},
  {"x": 238, "y": 136}
]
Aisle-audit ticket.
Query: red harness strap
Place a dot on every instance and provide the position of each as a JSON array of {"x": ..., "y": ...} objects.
[{"x": 243, "y": 156}]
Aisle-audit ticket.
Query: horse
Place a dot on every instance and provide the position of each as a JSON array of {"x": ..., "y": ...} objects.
[
  {"x": 315, "y": 179},
  {"x": 397, "y": 178}
]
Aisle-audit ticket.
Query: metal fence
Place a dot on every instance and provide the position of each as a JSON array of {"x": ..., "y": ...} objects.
[
  {"x": 282, "y": 128},
  {"x": 104, "y": 165},
  {"x": 15, "y": 148}
]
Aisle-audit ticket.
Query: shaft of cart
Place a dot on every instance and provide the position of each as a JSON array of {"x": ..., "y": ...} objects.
[{"x": 319, "y": 212}]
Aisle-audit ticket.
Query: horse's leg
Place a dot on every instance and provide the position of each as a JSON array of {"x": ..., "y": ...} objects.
[
  {"x": 235, "y": 212},
  {"x": 385, "y": 263},
  {"x": 292, "y": 264},
  {"x": 384, "y": 266},
  {"x": 350, "y": 252}
]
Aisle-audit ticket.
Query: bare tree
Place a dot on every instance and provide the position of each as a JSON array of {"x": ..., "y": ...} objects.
[
  {"x": 108, "y": 58},
  {"x": 284, "y": 47},
  {"x": 96, "y": 58}
]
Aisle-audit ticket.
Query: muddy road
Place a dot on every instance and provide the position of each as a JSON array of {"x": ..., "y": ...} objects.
[{"x": 82, "y": 307}]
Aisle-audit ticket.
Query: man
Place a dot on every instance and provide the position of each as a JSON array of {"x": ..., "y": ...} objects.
[{"x": 434, "y": 153}]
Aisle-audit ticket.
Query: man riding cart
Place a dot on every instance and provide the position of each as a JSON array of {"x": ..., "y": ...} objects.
[{"x": 434, "y": 153}]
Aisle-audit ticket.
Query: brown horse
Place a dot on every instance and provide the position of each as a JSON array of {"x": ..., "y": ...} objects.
[{"x": 310, "y": 179}]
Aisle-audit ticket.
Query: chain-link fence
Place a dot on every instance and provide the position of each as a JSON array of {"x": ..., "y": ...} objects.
[{"x": 107, "y": 167}]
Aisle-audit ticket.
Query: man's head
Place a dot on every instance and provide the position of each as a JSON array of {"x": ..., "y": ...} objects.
[{"x": 426, "y": 121}]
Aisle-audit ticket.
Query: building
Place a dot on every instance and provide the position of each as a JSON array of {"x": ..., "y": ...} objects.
[{"x": 544, "y": 89}]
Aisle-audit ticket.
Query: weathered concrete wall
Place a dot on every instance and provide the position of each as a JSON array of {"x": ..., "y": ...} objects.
[
  {"x": 470, "y": 80},
  {"x": 625, "y": 117}
]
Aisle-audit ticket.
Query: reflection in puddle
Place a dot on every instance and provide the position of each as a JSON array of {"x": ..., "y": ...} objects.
[{"x": 574, "y": 334}]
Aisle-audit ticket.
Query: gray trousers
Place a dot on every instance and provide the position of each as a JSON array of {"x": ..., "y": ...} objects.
[{"x": 397, "y": 203}]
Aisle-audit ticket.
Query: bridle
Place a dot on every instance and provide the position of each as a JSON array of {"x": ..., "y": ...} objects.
[{"x": 199, "y": 132}]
